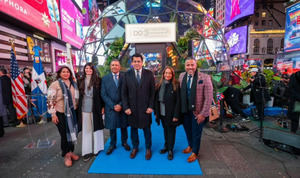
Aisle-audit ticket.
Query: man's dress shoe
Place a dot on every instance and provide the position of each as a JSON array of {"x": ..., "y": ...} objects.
[
  {"x": 187, "y": 150},
  {"x": 133, "y": 153},
  {"x": 192, "y": 158},
  {"x": 148, "y": 154}
]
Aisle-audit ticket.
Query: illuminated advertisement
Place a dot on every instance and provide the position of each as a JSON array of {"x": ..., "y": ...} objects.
[
  {"x": 236, "y": 9},
  {"x": 71, "y": 24},
  {"x": 287, "y": 61},
  {"x": 237, "y": 40},
  {"x": 154, "y": 3},
  {"x": 292, "y": 28},
  {"x": 43, "y": 15},
  {"x": 79, "y": 3}
]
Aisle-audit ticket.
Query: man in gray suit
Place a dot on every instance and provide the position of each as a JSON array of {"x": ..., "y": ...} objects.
[{"x": 114, "y": 115}]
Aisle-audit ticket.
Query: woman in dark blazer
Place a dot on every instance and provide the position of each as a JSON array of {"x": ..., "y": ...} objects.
[
  {"x": 167, "y": 108},
  {"x": 90, "y": 112}
]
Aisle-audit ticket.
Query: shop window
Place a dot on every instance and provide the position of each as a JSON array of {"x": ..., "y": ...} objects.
[
  {"x": 270, "y": 46},
  {"x": 256, "y": 46},
  {"x": 263, "y": 50}
]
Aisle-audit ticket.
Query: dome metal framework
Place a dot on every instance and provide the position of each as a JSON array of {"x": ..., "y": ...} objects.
[{"x": 209, "y": 45}]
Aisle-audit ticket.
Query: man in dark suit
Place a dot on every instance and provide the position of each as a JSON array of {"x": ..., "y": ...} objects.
[
  {"x": 114, "y": 115},
  {"x": 138, "y": 99},
  {"x": 7, "y": 97},
  {"x": 196, "y": 93}
]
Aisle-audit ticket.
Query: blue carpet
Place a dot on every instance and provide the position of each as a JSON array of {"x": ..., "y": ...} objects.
[{"x": 120, "y": 163}]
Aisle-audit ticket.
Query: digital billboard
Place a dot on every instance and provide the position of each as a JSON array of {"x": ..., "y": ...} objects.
[
  {"x": 71, "y": 24},
  {"x": 236, "y": 9},
  {"x": 43, "y": 15},
  {"x": 79, "y": 3},
  {"x": 237, "y": 40},
  {"x": 292, "y": 28}
]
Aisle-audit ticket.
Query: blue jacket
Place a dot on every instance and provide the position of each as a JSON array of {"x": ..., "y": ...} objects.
[{"x": 111, "y": 95}]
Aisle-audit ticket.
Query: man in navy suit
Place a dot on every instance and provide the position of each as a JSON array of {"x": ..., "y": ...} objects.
[
  {"x": 114, "y": 115},
  {"x": 138, "y": 99}
]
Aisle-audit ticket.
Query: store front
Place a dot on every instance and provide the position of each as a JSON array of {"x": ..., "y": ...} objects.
[{"x": 8, "y": 33}]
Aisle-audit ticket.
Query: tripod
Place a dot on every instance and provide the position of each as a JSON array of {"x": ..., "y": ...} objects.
[{"x": 260, "y": 105}]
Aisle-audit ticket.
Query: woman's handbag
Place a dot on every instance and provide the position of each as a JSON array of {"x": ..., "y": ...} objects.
[{"x": 297, "y": 106}]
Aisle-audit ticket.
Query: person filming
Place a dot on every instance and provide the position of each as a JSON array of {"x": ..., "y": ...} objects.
[{"x": 259, "y": 94}]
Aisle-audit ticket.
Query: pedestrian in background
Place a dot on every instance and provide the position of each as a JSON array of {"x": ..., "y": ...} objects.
[
  {"x": 196, "y": 96},
  {"x": 62, "y": 103},
  {"x": 90, "y": 112},
  {"x": 294, "y": 89},
  {"x": 167, "y": 108},
  {"x": 7, "y": 108},
  {"x": 114, "y": 114}
]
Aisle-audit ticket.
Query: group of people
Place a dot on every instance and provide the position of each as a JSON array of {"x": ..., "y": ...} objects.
[
  {"x": 122, "y": 99},
  {"x": 286, "y": 94}
]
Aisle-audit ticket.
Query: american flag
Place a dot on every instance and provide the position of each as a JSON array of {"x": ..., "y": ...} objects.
[{"x": 17, "y": 86}]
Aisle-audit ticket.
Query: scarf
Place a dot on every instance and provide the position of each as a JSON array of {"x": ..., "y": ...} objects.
[
  {"x": 161, "y": 97},
  {"x": 71, "y": 120},
  {"x": 162, "y": 91}
]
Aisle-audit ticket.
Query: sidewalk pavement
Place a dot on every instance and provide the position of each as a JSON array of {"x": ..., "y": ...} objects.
[{"x": 232, "y": 154}]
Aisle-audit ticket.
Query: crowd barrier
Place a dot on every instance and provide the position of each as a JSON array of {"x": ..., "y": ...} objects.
[{"x": 37, "y": 122}]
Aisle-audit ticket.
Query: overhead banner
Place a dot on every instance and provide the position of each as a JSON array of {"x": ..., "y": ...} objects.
[
  {"x": 150, "y": 33},
  {"x": 236, "y": 9},
  {"x": 237, "y": 40},
  {"x": 43, "y": 15},
  {"x": 71, "y": 24},
  {"x": 292, "y": 28}
]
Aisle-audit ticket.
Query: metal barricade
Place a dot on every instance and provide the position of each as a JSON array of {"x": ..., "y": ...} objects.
[{"x": 36, "y": 118}]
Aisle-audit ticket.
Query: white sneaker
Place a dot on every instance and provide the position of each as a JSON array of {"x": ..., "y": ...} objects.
[
  {"x": 42, "y": 122},
  {"x": 245, "y": 120}
]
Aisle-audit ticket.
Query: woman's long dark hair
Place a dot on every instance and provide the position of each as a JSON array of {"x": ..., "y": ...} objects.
[
  {"x": 173, "y": 80},
  {"x": 95, "y": 79},
  {"x": 60, "y": 70}
]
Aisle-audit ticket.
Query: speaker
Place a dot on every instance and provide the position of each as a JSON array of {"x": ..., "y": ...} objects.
[{"x": 190, "y": 48}]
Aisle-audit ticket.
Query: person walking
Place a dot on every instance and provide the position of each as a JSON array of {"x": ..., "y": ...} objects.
[
  {"x": 62, "y": 102},
  {"x": 90, "y": 112},
  {"x": 138, "y": 92},
  {"x": 196, "y": 93},
  {"x": 167, "y": 108},
  {"x": 114, "y": 115}
]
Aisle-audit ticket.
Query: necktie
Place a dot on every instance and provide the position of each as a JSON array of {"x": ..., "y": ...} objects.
[
  {"x": 116, "y": 79},
  {"x": 138, "y": 76},
  {"x": 189, "y": 85}
]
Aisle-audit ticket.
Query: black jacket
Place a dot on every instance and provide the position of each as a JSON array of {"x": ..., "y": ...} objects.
[
  {"x": 172, "y": 104},
  {"x": 6, "y": 90},
  {"x": 258, "y": 88},
  {"x": 294, "y": 88},
  {"x": 138, "y": 97},
  {"x": 97, "y": 108}
]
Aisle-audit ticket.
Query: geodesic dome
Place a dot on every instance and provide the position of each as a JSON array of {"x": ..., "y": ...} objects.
[{"x": 210, "y": 44}]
